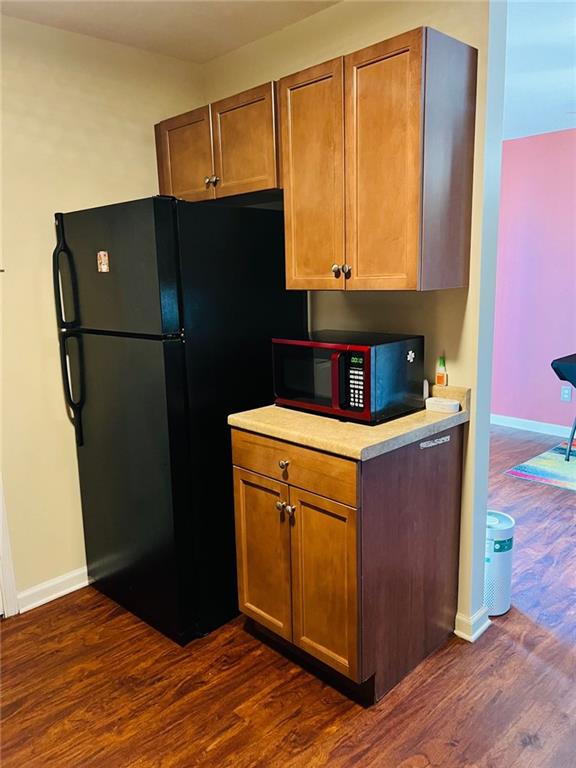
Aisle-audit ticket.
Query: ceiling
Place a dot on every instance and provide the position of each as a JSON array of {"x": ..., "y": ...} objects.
[
  {"x": 187, "y": 29},
  {"x": 540, "y": 89}
]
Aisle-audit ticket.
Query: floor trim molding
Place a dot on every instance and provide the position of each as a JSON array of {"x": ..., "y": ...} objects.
[
  {"x": 531, "y": 426},
  {"x": 52, "y": 589},
  {"x": 471, "y": 627}
]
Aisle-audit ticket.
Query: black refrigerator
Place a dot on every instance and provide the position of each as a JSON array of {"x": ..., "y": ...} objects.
[{"x": 165, "y": 313}]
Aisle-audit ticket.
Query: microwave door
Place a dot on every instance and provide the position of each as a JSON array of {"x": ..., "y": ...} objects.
[{"x": 303, "y": 374}]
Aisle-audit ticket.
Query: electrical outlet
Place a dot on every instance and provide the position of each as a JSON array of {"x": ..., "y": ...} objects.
[{"x": 566, "y": 393}]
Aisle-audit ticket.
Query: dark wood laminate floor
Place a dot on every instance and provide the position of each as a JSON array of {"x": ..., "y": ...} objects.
[{"x": 86, "y": 685}]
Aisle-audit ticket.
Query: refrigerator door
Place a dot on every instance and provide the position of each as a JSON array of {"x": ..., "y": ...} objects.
[
  {"x": 133, "y": 464},
  {"x": 116, "y": 268},
  {"x": 234, "y": 301}
]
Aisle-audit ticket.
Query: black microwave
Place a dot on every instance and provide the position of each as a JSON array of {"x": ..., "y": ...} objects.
[{"x": 366, "y": 377}]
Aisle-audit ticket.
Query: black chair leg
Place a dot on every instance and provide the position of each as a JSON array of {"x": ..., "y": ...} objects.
[{"x": 570, "y": 439}]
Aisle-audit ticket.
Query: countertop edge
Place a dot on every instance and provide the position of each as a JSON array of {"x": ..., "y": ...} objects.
[
  {"x": 365, "y": 454},
  {"x": 378, "y": 449}
]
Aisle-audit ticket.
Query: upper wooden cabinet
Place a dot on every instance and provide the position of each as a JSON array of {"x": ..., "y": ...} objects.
[
  {"x": 408, "y": 120},
  {"x": 223, "y": 149},
  {"x": 244, "y": 129},
  {"x": 376, "y": 157},
  {"x": 325, "y": 580},
  {"x": 312, "y": 130},
  {"x": 184, "y": 154},
  {"x": 383, "y": 163}
]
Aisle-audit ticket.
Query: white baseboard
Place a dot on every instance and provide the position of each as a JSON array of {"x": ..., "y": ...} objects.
[
  {"x": 471, "y": 627},
  {"x": 51, "y": 589},
  {"x": 531, "y": 426}
]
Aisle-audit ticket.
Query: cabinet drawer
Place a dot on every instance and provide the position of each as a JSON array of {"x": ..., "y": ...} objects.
[{"x": 317, "y": 472}]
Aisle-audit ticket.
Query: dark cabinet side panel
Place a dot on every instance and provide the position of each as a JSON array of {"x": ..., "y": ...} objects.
[
  {"x": 410, "y": 528},
  {"x": 448, "y": 161}
]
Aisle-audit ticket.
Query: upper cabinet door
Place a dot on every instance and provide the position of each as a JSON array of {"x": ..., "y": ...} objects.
[
  {"x": 383, "y": 163},
  {"x": 245, "y": 142},
  {"x": 312, "y": 155},
  {"x": 184, "y": 152}
]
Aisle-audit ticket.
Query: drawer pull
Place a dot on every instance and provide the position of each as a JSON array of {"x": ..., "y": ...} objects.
[{"x": 283, "y": 463}]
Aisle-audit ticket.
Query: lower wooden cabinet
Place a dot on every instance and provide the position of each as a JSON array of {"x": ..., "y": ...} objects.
[
  {"x": 263, "y": 551},
  {"x": 297, "y": 567},
  {"x": 324, "y": 580},
  {"x": 367, "y": 588}
]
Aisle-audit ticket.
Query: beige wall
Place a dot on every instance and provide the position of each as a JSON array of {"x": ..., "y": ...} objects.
[
  {"x": 78, "y": 116},
  {"x": 450, "y": 320}
]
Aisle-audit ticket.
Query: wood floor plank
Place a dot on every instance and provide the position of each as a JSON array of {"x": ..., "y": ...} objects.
[{"x": 87, "y": 685}]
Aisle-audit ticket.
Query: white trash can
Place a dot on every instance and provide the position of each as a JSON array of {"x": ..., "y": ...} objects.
[{"x": 498, "y": 567}]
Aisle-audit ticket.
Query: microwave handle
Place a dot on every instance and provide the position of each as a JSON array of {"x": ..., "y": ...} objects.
[{"x": 335, "y": 359}]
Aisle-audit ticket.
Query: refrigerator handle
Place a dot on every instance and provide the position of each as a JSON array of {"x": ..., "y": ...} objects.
[
  {"x": 62, "y": 248},
  {"x": 73, "y": 407}
]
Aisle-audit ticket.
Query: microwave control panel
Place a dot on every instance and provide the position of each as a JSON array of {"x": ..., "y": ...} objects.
[{"x": 355, "y": 383}]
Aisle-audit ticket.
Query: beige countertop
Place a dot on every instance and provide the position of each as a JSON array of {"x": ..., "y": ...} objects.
[{"x": 350, "y": 439}]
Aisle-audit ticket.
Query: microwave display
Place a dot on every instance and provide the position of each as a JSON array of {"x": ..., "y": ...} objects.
[{"x": 355, "y": 382}]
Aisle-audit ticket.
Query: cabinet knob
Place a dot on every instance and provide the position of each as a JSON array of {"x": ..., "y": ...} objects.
[
  {"x": 336, "y": 270},
  {"x": 280, "y": 506},
  {"x": 207, "y": 180},
  {"x": 290, "y": 510},
  {"x": 346, "y": 269},
  {"x": 283, "y": 463},
  {"x": 214, "y": 180}
]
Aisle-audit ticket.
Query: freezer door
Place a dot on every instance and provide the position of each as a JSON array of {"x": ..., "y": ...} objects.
[
  {"x": 117, "y": 268},
  {"x": 133, "y": 475}
]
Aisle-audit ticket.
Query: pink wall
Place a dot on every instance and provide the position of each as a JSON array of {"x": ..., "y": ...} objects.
[{"x": 535, "y": 318}]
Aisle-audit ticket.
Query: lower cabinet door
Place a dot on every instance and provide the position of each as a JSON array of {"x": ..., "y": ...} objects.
[
  {"x": 324, "y": 580},
  {"x": 263, "y": 551}
]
